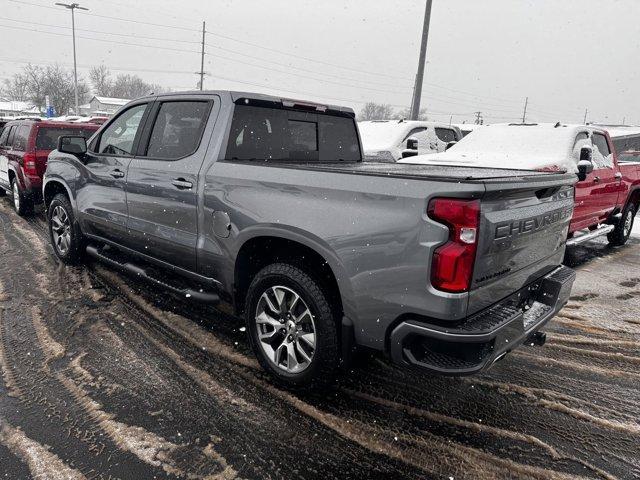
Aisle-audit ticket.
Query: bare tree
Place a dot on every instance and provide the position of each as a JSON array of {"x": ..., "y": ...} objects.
[
  {"x": 35, "y": 83},
  {"x": 405, "y": 113},
  {"x": 100, "y": 79},
  {"x": 123, "y": 86},
  {"x": 375, "y": 111},
  {"x": 15, "y": 88}
]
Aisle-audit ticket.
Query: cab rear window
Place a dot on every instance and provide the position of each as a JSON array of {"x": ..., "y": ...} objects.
[
  {"x": 47, "y": 138},
  {"x": 261, "y": 133}
]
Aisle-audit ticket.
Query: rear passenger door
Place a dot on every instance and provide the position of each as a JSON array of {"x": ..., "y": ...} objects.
[{"x": 162, "y": 183}]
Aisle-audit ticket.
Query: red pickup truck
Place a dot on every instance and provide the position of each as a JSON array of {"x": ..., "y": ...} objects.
[{"x": 608, "y": 194}]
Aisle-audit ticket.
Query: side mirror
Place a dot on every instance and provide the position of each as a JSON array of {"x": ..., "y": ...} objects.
[
  {"x": 73, "y": 145},
  {"x": 409, "y": 153},
  {"x": 585, "y": 167},
  {"x": 412, "y": 143},
  {"x": 449, "y": 145}
]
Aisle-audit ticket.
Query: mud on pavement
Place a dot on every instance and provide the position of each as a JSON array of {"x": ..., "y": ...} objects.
[{"x": 104, "y": 377}]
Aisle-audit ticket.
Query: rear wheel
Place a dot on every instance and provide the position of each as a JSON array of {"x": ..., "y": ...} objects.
[
  {"x": 22, "y": 204},
  {"x": 291, "y": 326},
  {"x": 66, "y": 238},
  {"x": 622, "y": 230}
]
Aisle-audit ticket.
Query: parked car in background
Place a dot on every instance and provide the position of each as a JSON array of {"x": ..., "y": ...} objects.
[
  {"x": 389, "y": 140},
  {"x": 24, "y": 148},
  {"x": 265, "y": 203},
  {"x": 607, "y": 195}
]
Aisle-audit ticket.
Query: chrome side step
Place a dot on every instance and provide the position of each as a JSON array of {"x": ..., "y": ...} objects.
[
  {"x": 133, "y": 269},
  {"x": 590, "y": 236}
]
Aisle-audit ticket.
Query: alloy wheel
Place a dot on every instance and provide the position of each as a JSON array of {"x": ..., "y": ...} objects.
[
  {"x": 61, "y": 230},
  {"x": 286, "y": 329}
]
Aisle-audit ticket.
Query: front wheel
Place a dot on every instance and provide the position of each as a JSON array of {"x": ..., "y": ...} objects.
[
  {"x": 66, "y": 238},
  {"x": 622, "y": 230},
  {"x": 291, "y": 326}
]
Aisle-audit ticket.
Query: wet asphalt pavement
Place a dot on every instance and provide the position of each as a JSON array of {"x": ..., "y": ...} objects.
[{"x": 104, "y": 377}]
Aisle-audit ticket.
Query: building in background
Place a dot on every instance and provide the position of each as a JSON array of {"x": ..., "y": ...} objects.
[
  {"x": 16, "y": 109},
  {"x": 102, "y": 106}
]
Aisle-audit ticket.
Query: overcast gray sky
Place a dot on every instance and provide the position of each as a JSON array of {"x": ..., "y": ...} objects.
[{"x": 483, "y": 55}]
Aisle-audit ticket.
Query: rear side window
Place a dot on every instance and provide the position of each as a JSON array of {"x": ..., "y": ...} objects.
[
  {"x": 260, "y": 133},
  {"x": 446, "y": 135},
  {"x": 21, "y": 137},
  {"x": 12, "y": 134},
  {"x": 47, "y": 137},
  {"x": 626, "y": 144},
  {"x": 177, "y": 129},
  {"x": 601, "y": 154},
  {"x": 4, "y": 136}
]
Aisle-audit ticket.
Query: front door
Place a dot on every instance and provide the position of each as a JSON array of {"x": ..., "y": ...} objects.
[
  {"x": 101, "y": 195},
  {"x": 162, "y": 183}
]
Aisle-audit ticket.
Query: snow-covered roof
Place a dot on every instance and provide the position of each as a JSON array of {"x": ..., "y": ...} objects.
[
  {"x": 520, "y": 147},
  {"x": 111, "y": 100},
  {"x": 386, "y": 134},
  {"x": 620, "y": 130},
  {"x": 16, "y": 106}
]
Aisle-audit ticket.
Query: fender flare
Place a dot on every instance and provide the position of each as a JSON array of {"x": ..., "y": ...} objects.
[
  {"x": 311, "y": 241},
  {"x": 55, "y": 179}
]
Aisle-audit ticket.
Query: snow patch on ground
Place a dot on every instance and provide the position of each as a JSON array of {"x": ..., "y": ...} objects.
[{"x": 41, "y": 462}]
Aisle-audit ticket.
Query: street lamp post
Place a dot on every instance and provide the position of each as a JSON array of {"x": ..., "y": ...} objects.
[{"x": 72, "y": 7}]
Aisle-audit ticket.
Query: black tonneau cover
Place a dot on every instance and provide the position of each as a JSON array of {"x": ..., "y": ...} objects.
[{"x": 432, "y": 172}]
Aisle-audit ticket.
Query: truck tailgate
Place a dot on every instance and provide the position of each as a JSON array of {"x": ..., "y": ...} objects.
[{"x": 523, "y": 231}]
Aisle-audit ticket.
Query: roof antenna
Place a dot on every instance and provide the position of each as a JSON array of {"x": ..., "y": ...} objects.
[{"x": 557, "y": 125}]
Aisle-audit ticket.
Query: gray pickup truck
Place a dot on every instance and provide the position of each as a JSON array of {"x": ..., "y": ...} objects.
[{"x": 265, "y": 203}]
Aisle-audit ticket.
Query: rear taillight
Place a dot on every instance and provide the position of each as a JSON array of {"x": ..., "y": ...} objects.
[
  {"x": 452, "y": 266},
  {"x": 30, "y": 164}
]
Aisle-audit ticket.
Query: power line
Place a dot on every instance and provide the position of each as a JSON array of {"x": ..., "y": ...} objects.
[{"x": 162, "y": 39}]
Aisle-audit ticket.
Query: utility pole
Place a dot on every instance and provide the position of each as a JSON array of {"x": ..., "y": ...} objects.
[
  {"x": 524, "y": 113},
  {"x": 417, "y": 90},
  {"x": 478, "y": 118},
  {"x": 586, "y": 110},
  {"x": 202, "y": 58},
  {"x": 72, "y": 7}
]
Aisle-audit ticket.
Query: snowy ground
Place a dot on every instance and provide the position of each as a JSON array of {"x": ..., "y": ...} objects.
[{"x": 104, "y": 378}]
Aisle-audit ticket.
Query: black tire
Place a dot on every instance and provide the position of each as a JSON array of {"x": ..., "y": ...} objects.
[
  {"x": 74, "y": 252},
  {"x": 622, "y": 230},
  {"x": 323, "y": 366},
  {"x": 22, "y": 204},
  {"x": 2, "y": 192}
]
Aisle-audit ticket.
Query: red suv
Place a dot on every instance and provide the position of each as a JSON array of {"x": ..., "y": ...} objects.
[{"x": 24, "y": 148}]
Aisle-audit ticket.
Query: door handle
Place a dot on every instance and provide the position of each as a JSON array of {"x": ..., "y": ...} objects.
[
  {"x": 596, "y": 179},
  {"x": 182, "y": 184},
  {"x": 117, "y": 173},
  {"x": 618, "y": 175}
]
